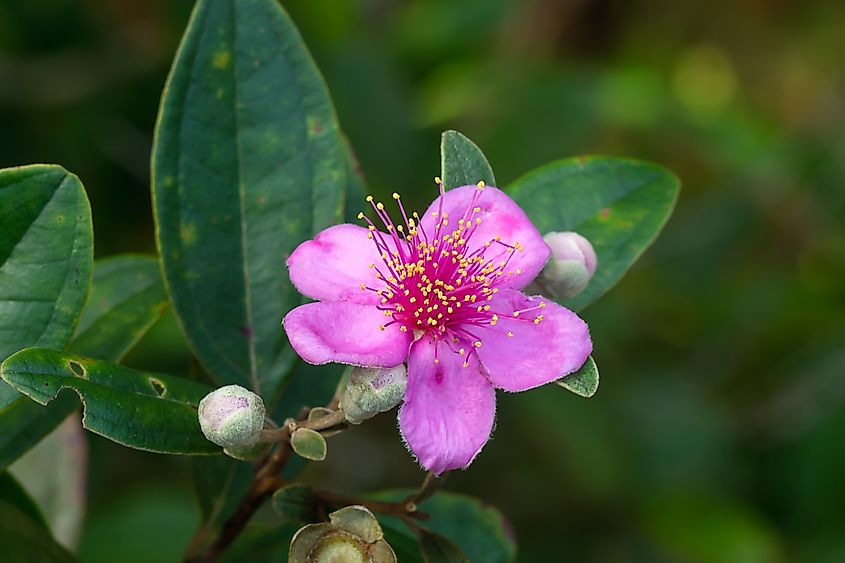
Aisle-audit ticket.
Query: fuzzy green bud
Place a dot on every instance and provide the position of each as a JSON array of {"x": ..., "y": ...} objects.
[
  {"x": 571, "y": 266},
  {"x": 370, "y": 391},
  {"x": 232, "y": 417}
]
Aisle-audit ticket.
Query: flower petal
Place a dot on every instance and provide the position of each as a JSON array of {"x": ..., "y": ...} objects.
[
  {"x": 347, "y": 333},
  {"x": 333, "y": 265},
  {"x": 449, "y": 409},
  {"x": 536, "y": 354},
  {"x": 500, "y": 216}
]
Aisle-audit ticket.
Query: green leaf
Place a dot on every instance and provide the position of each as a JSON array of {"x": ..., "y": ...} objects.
[
  {"x": 309, "y": 444},
  {"x": 462, "y": 163},
  {"x": 295, "y": 503},
  {"x": 126, "y": 299},
  {"x": 13, "y": 493},
  {"x": 439, "y": 549},
  {"x": 620, "y": 205},
  {"x": 584, "y": 382},
  {"x": 46, "y": 256},
  {"x": 25, "y": 539},
  {"x": 478, "y": 529},
  {"x": 248, "y": 162},
  {"x": 220, "y": 484},
  {"x": 141, "y": 410}
]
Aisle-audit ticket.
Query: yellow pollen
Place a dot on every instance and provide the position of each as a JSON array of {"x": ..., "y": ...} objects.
[
  {"x": 510, "y": 333},
  {"x": 360, "y": 215},
  {"x": 477, "y": 344},
  {"x": 380, "y": 206},
  {"x": 403, "y": 328},
  {"x": 437, "y": 180},
  {"x": 395, "y": 195},
  {"x": 369, "y": 198},
  {"x": 481, "y": 184}
]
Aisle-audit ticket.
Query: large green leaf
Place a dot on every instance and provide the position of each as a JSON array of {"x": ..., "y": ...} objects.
[
  {"x": 142, "y": 410},
  {"x": 462, "y": 163},
  {"x": 620, "y": 205},
  {"x": 248, "y": 162},
  {"x": 479, "y": 530},
  {"x": 46, "y": 255},
  {"x": 25, "y": 539},
  {"x": 127, "y": 298}
]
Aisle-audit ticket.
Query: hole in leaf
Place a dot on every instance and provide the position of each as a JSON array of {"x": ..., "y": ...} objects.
[
  {"x": 158, "y": 386},
  {"x": 77, "y": 369}
]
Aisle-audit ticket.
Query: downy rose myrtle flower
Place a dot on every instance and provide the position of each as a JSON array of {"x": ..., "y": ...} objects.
[{"x": 441, "y": 292}]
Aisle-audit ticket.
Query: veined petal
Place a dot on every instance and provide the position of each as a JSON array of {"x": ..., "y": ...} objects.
[
  {"x": 500, "y": 216},
  {"x": 348, "y": 333},
  {"x": 536, "y": 354},
  {"x": 449, "y": 409},
  {"x": 333, "y": 265}
]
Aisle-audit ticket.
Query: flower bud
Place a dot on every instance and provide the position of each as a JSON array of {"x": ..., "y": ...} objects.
[
  {"x": 370, "y": 391},
  {"x": 232, "y": 417},
  {"x": 571, "y": 266}
]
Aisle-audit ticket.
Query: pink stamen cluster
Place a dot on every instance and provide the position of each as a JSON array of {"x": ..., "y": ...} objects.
[{"x": 434, "y": 283}]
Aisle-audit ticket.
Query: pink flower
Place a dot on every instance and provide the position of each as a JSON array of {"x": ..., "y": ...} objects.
[{"x": 442, "y": 293}]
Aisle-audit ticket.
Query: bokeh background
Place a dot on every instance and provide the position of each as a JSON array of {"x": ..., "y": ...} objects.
[{"x": 718, "y": 433}]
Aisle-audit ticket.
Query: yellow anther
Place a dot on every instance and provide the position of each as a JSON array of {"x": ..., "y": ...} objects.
[
  {"x": 403, "y": 328},
  {"x": 437, "y": 180},
  {"x": 461, "y": 352},
  {"x": 477, "y": 344},
  {"x": 380, "y": 206},
  {"x": 436, "y": 361},
  {"x": 481, "y": 184},
  {"x": 363, "y": 286},
  {"x": 381, "y": 327},
  {"x": 542, "y": 304},
  {"x": 510, "y": 333},
  {"x": 369, "y": 198},
  {"x": 395, "y": 195},
  {"x": 360, "y": 214}
]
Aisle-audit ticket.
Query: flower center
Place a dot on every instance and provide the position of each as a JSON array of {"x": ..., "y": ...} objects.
[{"x": 441, "y": 282}]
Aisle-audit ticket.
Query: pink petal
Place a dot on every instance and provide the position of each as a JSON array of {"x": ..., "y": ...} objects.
[
  {"x": 536, "y": 354},
  {"x": 449, "y": 409},
  {"x": 500, "y": 216},
  {"x": 333, "y": 265},
  {"x": 347, "y": 333}
]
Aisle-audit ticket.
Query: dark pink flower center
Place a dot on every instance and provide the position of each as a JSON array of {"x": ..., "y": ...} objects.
[{"x": 441, "y": 283}]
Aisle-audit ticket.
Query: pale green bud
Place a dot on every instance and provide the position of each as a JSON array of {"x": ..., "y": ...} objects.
[
  {"x": 571, "y": 266},
  {"x": 370, "y": 391},
  {"x": 232, "y": 417}
]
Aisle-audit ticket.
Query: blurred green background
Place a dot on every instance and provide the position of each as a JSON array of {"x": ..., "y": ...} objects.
[{"x": 718, "y": 433}]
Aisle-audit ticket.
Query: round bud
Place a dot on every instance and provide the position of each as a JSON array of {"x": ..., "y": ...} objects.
[
  {"x": 232, "y": 417},
  {"x": 571, "y": 266},
  {"x": 370, "y": 391}
]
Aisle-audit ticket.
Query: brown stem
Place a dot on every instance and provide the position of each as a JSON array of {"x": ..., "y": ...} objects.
[
  {"x": 265, "y": 482},
  {"x": 430, "y": 485},
  {"x": 400, "y": 509}
]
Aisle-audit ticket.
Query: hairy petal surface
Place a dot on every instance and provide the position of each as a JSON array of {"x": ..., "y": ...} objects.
[
  {"x": 500, "y": 216},
  {"x": 333, "y": 265},
  {"x": 536, "y": 354},
  {"x": 347, "y": 333},
  {"x": 448, "y": 412}
]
